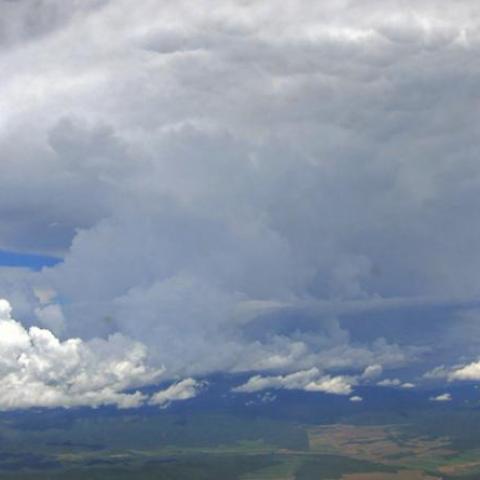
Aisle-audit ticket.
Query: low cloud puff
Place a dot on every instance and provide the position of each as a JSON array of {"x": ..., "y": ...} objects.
[
  {"x": 444, "y": 397},
  {"x": 183, "y": 390},
  {"x": 356, "y": 399},
  {"x": 308, "y": 380},
  {"x": 467, "y": 372},
  {"x": 395, "y": 382},
  {"x": 39, "y": 370}
]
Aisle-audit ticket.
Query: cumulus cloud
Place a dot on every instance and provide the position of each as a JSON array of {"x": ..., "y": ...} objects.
[
  {"x": 444, "y": 397},
  {"x": 308, "y": 380},
  {"x": 395, "y": 382},
  {"x": 183, "y": 390},
  {"x": 356, "y": 399},
  {"x": 467, "y": 372},
  {"x": 389, "y": 382},
  {"x": 39, "y": 370},
  {"x": 223, "y": 188},
  {"x": 372, "y": 372}
]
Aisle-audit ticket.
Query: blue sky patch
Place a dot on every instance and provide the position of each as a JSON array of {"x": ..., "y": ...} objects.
[{"x": 26, "y": 260}]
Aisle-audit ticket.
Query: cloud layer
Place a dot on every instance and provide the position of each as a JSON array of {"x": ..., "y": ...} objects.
[{"x": 231, "y": 183}]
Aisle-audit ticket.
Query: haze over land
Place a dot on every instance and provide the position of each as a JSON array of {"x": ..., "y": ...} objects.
[{"x": 284, "y": 189}]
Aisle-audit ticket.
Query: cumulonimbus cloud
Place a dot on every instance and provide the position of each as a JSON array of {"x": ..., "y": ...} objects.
[{"x": 220, "y": 188}]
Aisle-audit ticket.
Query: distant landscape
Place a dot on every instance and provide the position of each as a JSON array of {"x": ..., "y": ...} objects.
[{"x": 241, "y": 438}]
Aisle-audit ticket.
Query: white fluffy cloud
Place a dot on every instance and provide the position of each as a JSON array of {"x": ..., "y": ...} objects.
[
  {"x": 444, "y": 397},
  {"x": 308, "y": 380},
  {"x": 467, "y": 372},
  {"x": 183, "y": 390},
  {"x": 356, "y": 399},
  {"x": 221, "y": 185},
  {"x": 39, "y": 370},
  {"x": 389, "y": 382}
]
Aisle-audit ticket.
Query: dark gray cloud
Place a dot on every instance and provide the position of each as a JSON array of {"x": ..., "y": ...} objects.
[
  {"x": 27, "y": 20},
  {"x": 236, "y": 184}
]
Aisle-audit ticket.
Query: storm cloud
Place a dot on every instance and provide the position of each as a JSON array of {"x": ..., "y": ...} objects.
[{"x": 244, "y": 186}]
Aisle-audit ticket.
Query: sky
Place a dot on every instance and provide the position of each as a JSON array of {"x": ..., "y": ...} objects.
[
  {"x": 26, "y": 260},
  {"x": 284, "y": 189}
]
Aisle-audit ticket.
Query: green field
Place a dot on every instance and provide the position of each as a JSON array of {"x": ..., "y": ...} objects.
[{"x": 226, "y": 446}]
